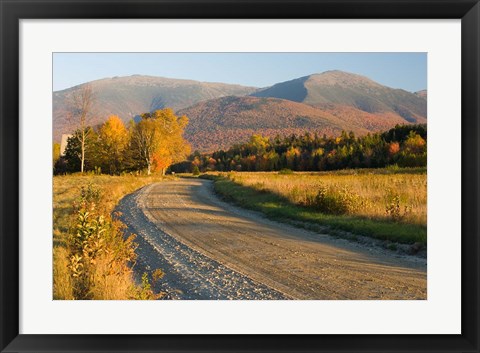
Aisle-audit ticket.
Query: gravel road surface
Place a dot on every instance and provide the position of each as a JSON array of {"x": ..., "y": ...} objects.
[{"x": 210, "y": 249}]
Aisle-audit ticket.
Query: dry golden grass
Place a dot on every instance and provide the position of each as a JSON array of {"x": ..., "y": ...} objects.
[
  {"x": 112, "y": 278},
  {"x": 375, "y": 191},
  {"x": 62, "y": 281}
]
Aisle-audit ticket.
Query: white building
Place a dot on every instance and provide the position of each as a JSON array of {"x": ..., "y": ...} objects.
[{"x": 63, "y": 143}]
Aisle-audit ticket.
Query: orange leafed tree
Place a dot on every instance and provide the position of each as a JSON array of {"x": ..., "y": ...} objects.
[
  {"x": 162, "y": 159},
  {"x": 158, "y": 140},
  {"x": 393, "y": 148}
]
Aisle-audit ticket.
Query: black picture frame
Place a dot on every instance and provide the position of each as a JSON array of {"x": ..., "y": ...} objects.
[{"x": 13, "y": 10}]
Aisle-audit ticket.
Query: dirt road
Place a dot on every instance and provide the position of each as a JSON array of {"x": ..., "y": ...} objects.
[{"x": 212, "y": 250}]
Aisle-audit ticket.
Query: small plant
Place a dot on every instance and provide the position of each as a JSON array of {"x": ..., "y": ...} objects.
[
  {"x": 88, "y": 237},
  {"x": 393, "y": 167},
  {"x": 157, "y": 275},
  {"x": 195, "y": 170},
  {"x": 285, "y": 171},
  {"x": 392, "y": 209},
  {"x": 145, "y": 291},
  {"x": 89, "y": 198}
]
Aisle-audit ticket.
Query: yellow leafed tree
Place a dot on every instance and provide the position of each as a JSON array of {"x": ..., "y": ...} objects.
[
  {"x": 157, "y": 140},
  {"x": 112, "y": 141}
]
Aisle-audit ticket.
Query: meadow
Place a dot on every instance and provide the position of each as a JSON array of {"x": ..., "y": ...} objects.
[
  {"x": 388, "y": 204},
  {"x": 91, "y": 254}
]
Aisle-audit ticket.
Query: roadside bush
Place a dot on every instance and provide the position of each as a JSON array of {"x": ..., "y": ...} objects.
[
  {"x": 145, "y": 291},
  {"x": 99, "y": 253},
  {"x": 342, "y": 202}
]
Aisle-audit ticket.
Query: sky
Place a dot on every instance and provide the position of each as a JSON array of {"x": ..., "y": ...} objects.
[{"x": 407, "y": 71}]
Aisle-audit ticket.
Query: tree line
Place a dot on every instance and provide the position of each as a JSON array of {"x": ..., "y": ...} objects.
[
  {"x": 403, "y": 145},
  {"x": 152, "y": 144}
]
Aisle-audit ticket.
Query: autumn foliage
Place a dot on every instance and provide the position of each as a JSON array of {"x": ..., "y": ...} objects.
[
  {"x": 151, "y": 144},
  {"x": 404, "y": 146},
  {"x": 112, "y": 143}
]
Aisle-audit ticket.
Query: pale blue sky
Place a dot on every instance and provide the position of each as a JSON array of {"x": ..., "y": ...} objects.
[{"x": 398, "y": 70}]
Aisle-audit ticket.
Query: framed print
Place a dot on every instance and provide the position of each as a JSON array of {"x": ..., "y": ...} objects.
[{"x": 239, "y": 176}]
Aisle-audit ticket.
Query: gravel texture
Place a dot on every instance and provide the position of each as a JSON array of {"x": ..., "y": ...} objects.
[{"x": 209, "y": 249}]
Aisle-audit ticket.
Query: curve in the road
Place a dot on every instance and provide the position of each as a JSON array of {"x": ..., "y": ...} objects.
[{"x": 209, "y": 249}]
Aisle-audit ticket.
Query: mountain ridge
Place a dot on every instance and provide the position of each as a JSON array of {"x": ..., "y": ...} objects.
[
  {"x": 340, "y": 87},
  {"x": 129, "y": 96},
  {"x": 221, "y": 114},
  {"x": 219, "y": 123}
]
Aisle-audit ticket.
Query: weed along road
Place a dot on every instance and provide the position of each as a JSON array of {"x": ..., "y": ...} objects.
[{"x": 209, "y": 249}]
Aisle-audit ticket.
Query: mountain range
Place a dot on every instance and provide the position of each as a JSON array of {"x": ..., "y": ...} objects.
[
  {"x": 131, "y": 96},
  {"x": 223, "y": 114}
]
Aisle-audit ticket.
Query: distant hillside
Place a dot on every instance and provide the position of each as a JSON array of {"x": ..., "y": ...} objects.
[
  {"x": 422, "y": 94},
  {"x": 222, "y": 114},
  {"x": 346, "y": 89},
  {"x": 133, "y": 95},
  {"x": 221, "y": 122}
]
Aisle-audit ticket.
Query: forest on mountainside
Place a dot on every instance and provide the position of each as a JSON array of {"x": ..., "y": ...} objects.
[{"x": 403, "y": 146}]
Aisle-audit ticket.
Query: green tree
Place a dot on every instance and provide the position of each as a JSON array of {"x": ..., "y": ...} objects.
[{"x": 74, "y": 151}]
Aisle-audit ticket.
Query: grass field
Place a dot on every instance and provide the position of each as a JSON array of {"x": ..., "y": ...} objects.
[
  {"x": 111, "y": 277},
  {"x": 384, "y": 204}
]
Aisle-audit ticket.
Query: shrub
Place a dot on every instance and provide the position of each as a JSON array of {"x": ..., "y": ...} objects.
[
  {"x": 342, "y": 202},
  {"x": 392, "y": 167},
  {"x": 195, "y": 170},
  {"x": 86, "y": 244},
  {"x": 285, "y": 171},
  {"x": 99, "y": 253}
]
